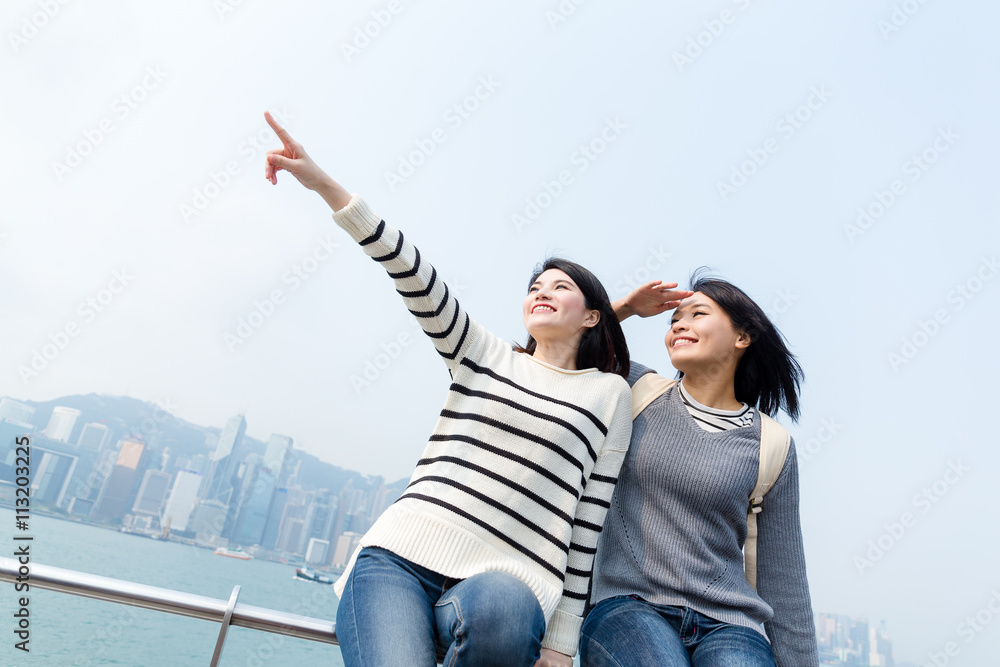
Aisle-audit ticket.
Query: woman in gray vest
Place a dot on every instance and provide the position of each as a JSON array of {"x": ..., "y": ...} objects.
[{"x": 669, "y": 585}]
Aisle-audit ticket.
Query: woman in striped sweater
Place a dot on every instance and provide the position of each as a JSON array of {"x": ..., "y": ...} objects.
[
  {"x": 669, "y": 583},
  {"x": 488, "y": 552}
]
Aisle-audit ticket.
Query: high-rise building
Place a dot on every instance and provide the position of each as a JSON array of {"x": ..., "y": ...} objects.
[
  {"x": 255, "y": 501},
  {"x": 279, "y": 499},
  {"x": 200, "y": 464},
  {"x": 316, "y": 551},
  {"x": 290, "y": 539},
  {"x": 277, "y": 456},
  {"x": 118, "y": 492},
  {"x": 10, "y": 431},
  {"x": 346, "y": 544},
  {"x": 15, "y": 411},
  {"x": 223, "y": 483},
  {"x": 843, "y": 640},
  {"x": 181, "y": 501},
  {"x": 93, "y": 437},
  {"x": 61, "y": 423},
  {"x": 152, "y": 493},
  {"x": 50, "y": 474},
  {"x": 207, "y": 522},
  {"x": 321, "y": 514}
]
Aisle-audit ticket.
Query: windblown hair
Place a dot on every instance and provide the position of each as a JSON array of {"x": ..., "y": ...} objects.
[
  {"x": 602, "y": 346},
  {"x": 768, "y": 375}
]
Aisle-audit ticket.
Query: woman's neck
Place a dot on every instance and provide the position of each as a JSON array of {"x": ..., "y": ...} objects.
[
  {"x": 560, "y": 355},
  {"x": 712, "y": 392}
]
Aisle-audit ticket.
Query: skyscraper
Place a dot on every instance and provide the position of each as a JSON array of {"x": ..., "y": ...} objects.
[
  {"x": 116, "y": 496},
  {"x": 182, "y": 500},
  {"x": 10, "y": 431},
  {"x": 255, "y": 501},
  {"x": 15, "y": 411},
  {"x": 226, "y": 461},
  {"x": 50, "y": 474},
  {"x": 61, "y": 423},
  {"x": 277, "y": 455},
  {"x": 151, "y": 494},
  {"x": 93, "y": 437}
]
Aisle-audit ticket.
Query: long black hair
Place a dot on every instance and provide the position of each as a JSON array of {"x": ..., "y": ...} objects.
[
  {"x": 603, "y": 345},
  {"x": 768, "y": 375}
]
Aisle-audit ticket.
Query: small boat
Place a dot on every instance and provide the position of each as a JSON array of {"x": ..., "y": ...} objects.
[
  {"x": 233, "y": 553},
  {"x": 305, "y": 574}
]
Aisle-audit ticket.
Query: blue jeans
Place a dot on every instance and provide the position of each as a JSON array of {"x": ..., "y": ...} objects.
[
  {"x": 627, "y": 631},
  {"x": 396, "y": 613}
]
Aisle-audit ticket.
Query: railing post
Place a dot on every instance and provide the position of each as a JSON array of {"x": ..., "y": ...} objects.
[{"x": 221, "y": 641}]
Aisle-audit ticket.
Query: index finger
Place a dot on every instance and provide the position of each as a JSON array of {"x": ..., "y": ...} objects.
[{"x": 286, "y": 139}]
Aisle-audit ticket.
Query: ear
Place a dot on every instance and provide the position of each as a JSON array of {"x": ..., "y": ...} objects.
[
  {"x": 593, "y": 317},
  {"x": 743, "y": 340}
]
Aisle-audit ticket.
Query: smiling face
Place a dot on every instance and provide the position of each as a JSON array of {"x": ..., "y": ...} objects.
[
  {"x": 702, "y": 336},
  {"x": 555, "y": 309}
]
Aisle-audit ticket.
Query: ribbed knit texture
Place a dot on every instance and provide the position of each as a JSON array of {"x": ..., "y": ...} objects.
[
  {"x": 519, "y": 471},
  {"x": 674, "y": 534}
]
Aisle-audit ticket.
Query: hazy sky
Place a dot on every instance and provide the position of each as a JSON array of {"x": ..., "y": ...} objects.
[{"x": 836, "y": 160}]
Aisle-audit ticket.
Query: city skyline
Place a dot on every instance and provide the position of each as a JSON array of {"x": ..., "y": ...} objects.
[
  {"x": 223, "y": 495},
  {"x": 323, "y": 526}
]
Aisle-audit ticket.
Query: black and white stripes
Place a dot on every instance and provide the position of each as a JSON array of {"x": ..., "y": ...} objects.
[{"x": 519, "y": 471}]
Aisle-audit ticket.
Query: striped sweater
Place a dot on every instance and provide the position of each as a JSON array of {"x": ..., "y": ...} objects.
[{"x": 519, "y": 471}]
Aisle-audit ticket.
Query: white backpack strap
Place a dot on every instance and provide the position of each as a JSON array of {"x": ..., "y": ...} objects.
[
  {"x": 774, "y": 444},
  {"x": 647, "y": 389}
]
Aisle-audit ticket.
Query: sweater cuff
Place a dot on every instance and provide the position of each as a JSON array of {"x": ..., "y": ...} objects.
[
  {"x": 563, "y": 633},
  {"x": 357, "y": 219}
]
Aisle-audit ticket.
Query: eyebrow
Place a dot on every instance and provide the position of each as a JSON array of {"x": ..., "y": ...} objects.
[
  {"x": 555, "y": 282},
  {"x": 699, "y": 304}
]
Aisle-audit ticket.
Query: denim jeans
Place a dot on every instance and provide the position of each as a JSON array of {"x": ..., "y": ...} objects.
[
  {"x": 627, "y": 631},
  {"x": 396, "y": 613}
]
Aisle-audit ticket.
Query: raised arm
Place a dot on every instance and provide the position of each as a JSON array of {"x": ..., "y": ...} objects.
[
  {"x": 425, "y": 294},
  {"x": 653, "y": 298}
]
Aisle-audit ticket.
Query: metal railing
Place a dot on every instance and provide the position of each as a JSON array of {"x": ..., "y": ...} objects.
[{"x": 226, "y": 612}]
